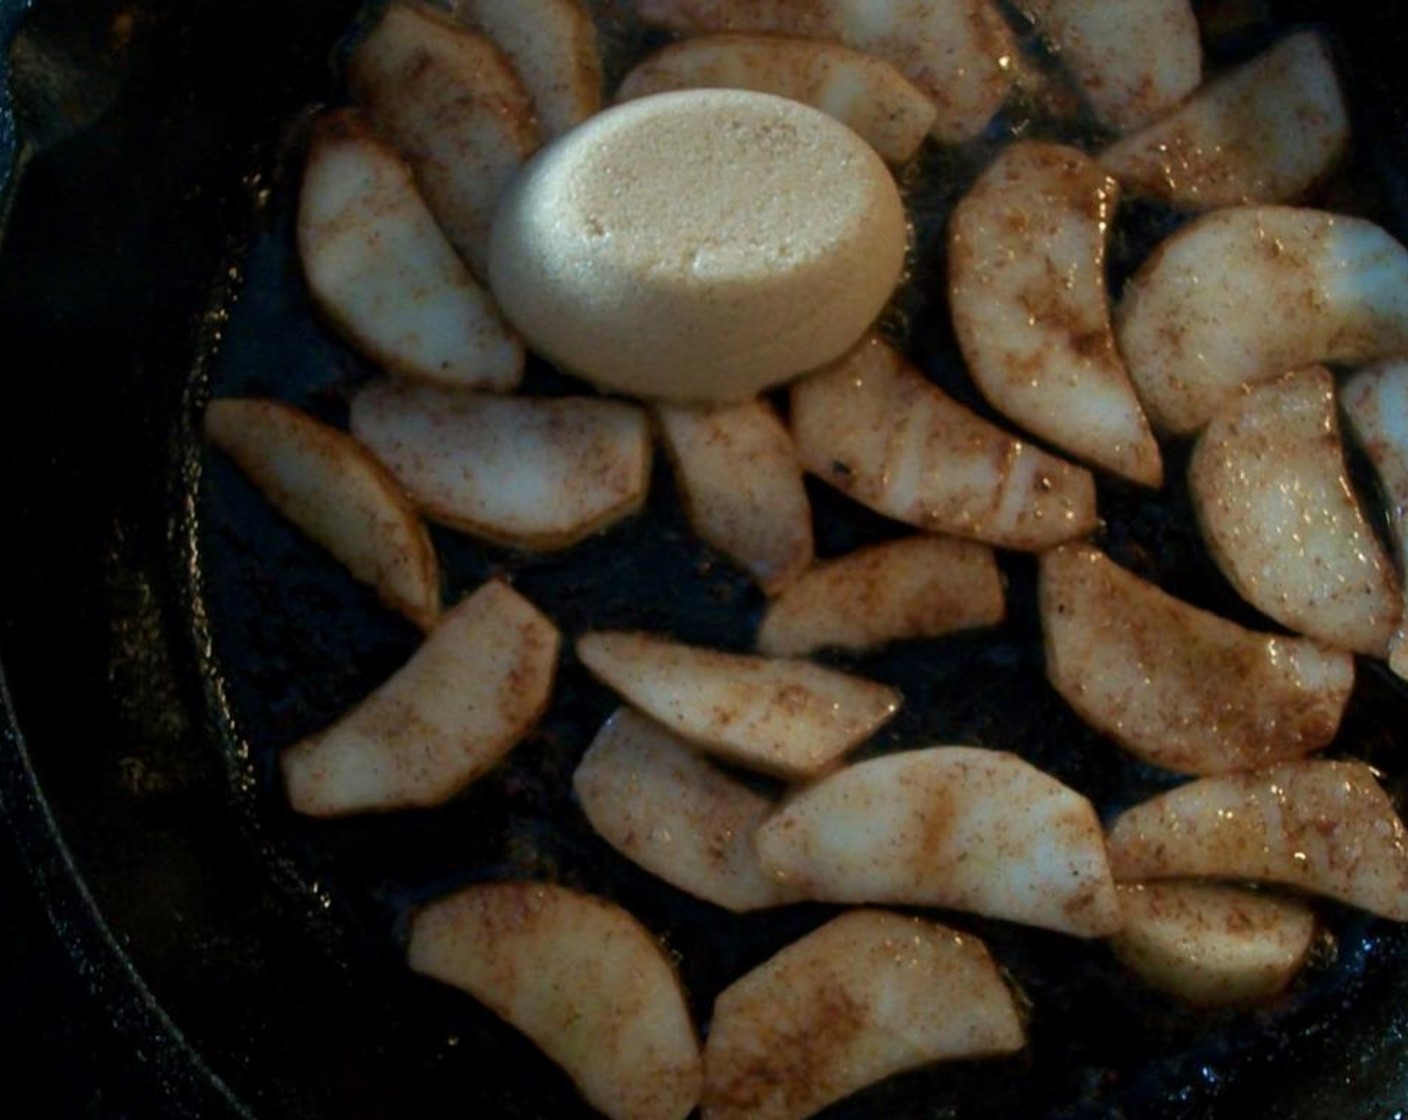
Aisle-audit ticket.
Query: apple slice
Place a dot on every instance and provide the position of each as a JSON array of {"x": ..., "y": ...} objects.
[
  {"x": 742, "y": 487},
  {"x": 960, "y": 53},
  {"x": 1211, "y": 945},
  {"x": 865, "y": 996},
  {"x": 381, "y": 270},
  {"x": 863, "y": 92},
  {"x": 1176, "y": 686},
  {"x": 959, "y": 827},
  {"x": 472, "y": 692},
  {"x": 660, "y": 804},
  {"x": 1267, "y": 131},
  {"x": 530, "y": 472},
  {"x": 876, "y": 429},
  {"x": 792, "y": 719},
  {"x": 454, "y": 108},
  {"x": 324, "y": 481},
  {"x": 916, "y": 587},
  {"x": 1193, "y": 324},
  {"x": 1026, "y": 278},
  {"x": 580, "y": 977},
  {"x": 1319, "y": 826},
  {"x": 1273, "y": 498},
  {"x": 552, "y": 46}
]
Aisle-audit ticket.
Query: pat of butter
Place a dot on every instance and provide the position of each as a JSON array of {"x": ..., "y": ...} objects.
[{"x": 699, "y": 246}]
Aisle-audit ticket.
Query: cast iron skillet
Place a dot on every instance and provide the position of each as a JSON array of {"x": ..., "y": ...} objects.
[{"x": 161, "y": 633}]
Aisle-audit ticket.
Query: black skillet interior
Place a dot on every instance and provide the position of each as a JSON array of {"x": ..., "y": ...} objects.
[{"x": 162, "y": 633}]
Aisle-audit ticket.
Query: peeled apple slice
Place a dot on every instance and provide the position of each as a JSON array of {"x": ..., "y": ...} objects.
[
  {"x": 324, "y": 481},
  {"x": 867, "y": 995},
  {"x": 473, "y": 691},
  {"x": 379, "y": 267},
  {"x": 959, "y": 827},
  {"x": 581, "y": 978}
]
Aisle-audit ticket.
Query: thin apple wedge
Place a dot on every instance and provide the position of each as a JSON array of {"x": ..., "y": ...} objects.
[
  {"x": 580, "y": 977},
  {"x": 472, "y": 692},
  {"x": 959, "y": 827},
  {"x": 742, "y": 485},
  {"x": 1267, "y": 131},
  {"x": 1322, "y": 827},
  {"x": 654, "y": 799},
  {"x": 1273, "y": 498},
  {"x": 916, "y": 587},
  {"x": 876, "y": 429},
  {"x": 867, "y": 995},
  {"x": 1211, "y": 945},
  {"x": 863, "y": 92},
  {"x": 381, "y": 270},
  {"x": 1193, "y": 324},
  {"x": 453, "y": 107},
  {"x": 791, "y": 719},
  {"x": 324, "y": 481},
  {"x": 530, "y": 472},
  {"x": 1026, "y": 278},
  {"x": 1177, "y": 686}
]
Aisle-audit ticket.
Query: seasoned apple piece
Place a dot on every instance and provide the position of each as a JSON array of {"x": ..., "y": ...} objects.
[
  {"x": 788, "y": 718},
  {"x": 1320, "y": 826},
  {"x": 472, "y": 692},
  {"x": 580, "y": 977},
  {"x": 1212, "y": 945},
  {"x": 960, "y": 53},
  {"x": 453, "y": 107},
  {"x": 959, "y": 827},
  {"x": 1177, "y": 686},
  {"x": 379, "y": 267},
  {"x": 324, "y": 481},
  {"x": 867, "y": 995},
  {"x": 659, "y": 803},
  {"x": 531, "y": 472},
  {"x": 1133, "y": 59},
  {"x": 552, "y": 46},
  {"x": 1026, "y": 278},
  {"x": 876, "y": 429},
  {"x": 1193, "y": 324},
  {"x": 1274, "y": 501},
  {"x": 742, "y": 487},
  {"x": 1267, "y": 131},
  {"x": 863, "y": 92},
  {"x": 917, "y": 587}
]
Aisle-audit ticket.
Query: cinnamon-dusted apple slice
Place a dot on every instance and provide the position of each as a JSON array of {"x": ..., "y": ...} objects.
[
  {"x": 879, "y": 431},
  {"x": 1026, "y": 277},
  {"x": 960, "y": 827},
  {"x": 1323, "y": 827},
  {"x": 742, "y": 486},
  {"x": 916, "y": 587},
  {"x": 1273, "y": 498},
  {"x": 379, "y": 267},
  {"x": 1193, "y": 324},
  {"x": 653, "y": 798},
  {"x": 552, "y": 46},
  {"x": 863, "y": 92},
  {"x": 792, "y": 719},
  {"x": 472, "y": 692},
  {"x": 866, "y": 996},
  {"x": 536, "y": 473},
  {"x": 580, "y": 977},
  {"x": 1177, "y": 686},
  {"x": 960, "y": 53},
  {"x": 1267, "y": 131},
  {"x": 452, "y": 105},
  {"x": 1212, "y": 945},
  {"x": 324, "y": 481}
]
